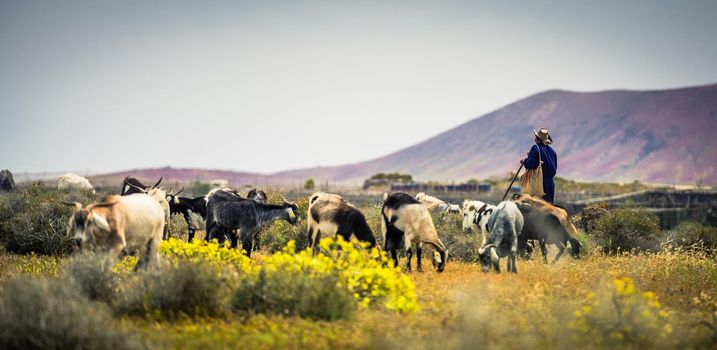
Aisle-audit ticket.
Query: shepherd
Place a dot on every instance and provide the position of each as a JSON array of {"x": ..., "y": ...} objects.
[{"x": 541, "y": 154}]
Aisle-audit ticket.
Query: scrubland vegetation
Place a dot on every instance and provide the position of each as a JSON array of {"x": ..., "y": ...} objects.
[{"x": 637, "y": 287}]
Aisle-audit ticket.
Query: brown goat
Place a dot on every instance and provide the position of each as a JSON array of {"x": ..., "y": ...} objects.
[{"x": 549, "y": 208}]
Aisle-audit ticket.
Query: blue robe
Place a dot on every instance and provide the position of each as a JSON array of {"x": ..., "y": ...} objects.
[{"x": 550, "y": 167}]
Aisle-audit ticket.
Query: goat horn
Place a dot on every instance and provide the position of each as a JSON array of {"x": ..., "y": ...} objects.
[
  {"x": 482, "y": 249},
  {"x": 144, "y": 190},
  {"x": 157, "y": 184}
]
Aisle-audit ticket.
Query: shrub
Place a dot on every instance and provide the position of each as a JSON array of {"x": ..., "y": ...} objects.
[
  {"x": 309, "y": 184},
  {"x": 38, "y": 265},
  {"x": 199, "y": 188},
  {"x": 178, "y": 227},
  {"x": 627, "y": 229},
  {"x": 693, "y": 236},
  {"x": 174, "y": 290},
  {"x": 624, "y": 316},
  {"x": 587, "y": 219},
  {"x": 294, "y": 294},
  {"x": 276, "y": 236},
  {"x": 366, "y": 273},
  {"x": 373, "y": 216},
  {"x": 36, "y": 220},
  {"x": 198, "y": 251},
  {"x": 460, "y": 245},
  {"x": 51, "y": 314},
  {"x": 94, "y": 277}
]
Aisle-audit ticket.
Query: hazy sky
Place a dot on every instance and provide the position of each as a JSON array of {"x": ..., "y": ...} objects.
[{"x": 275, "y": 85}]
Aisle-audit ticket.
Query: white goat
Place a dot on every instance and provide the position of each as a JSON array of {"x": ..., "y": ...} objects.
[
  {"x": 74, "y": 182},
  {"x": 135, "y": 222},
  {"x": 504, "y": 227},
  {"x": 436, "y": 205}
]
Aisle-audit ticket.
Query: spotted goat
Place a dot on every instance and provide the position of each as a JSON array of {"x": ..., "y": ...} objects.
[
  {"x": 407, "y": 223},
  {"x": 330, "y": 215}
]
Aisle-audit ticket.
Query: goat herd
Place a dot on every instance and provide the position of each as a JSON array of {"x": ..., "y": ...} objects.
[{"x": 138, "y": 219}]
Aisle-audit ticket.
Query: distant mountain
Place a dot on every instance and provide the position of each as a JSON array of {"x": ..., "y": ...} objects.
[{"x": 666, "y": 136}]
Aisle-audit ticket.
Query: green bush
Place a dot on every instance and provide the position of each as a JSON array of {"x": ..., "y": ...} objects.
[
  {"x": 372, "y": 213},
  {"x": 460, "y": 245},
  {"x": 624, "y": 316},
  {"x": 175, "y": 290},
  {"x": 51, "y": 314},
  {"x": 294, "y": 294},
  {"x": 693, "y": 236},
  {"x": 178, "y": 227},
  {"x": 94, "y": 277},
  {"x": 627, "y": 229},
  {"x": 587, "y": 219},
  {"x": 36, "y": 220},
  {"x": 275, "y": 237},
  {"x": 309, "y": 184}
]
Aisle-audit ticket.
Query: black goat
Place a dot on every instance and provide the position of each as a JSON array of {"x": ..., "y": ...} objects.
[
  {"x": 194, "y": 211},
  {"x": 546, "y": 229},
  {"x": 261, "y": 197},
  {"x": 226, "y": 214},
  {"x": 132, "y": 185}
]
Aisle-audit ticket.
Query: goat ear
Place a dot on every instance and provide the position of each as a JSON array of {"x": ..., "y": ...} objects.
[
  {"x": 385, "y": 195},
  {"x": 481, "y": 250},
  {"x": 101, "y": 222}
]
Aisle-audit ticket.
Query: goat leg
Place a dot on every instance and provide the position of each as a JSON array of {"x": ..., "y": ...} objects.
[
  {"x": 409, "y": 254},
  {"x": 394, "y": 256},
  {"x": 310, "y": 236},
  {"x": 256, "y": 241},
  {"x": 246, "y": 241},
  {"x": 419, "y": 253},
  {"x": 234, "y": 238},
  {"x": 561, "y": 249}
]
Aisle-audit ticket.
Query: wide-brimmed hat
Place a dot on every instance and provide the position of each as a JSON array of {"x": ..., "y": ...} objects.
[{"x": 543, "y": 135}]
